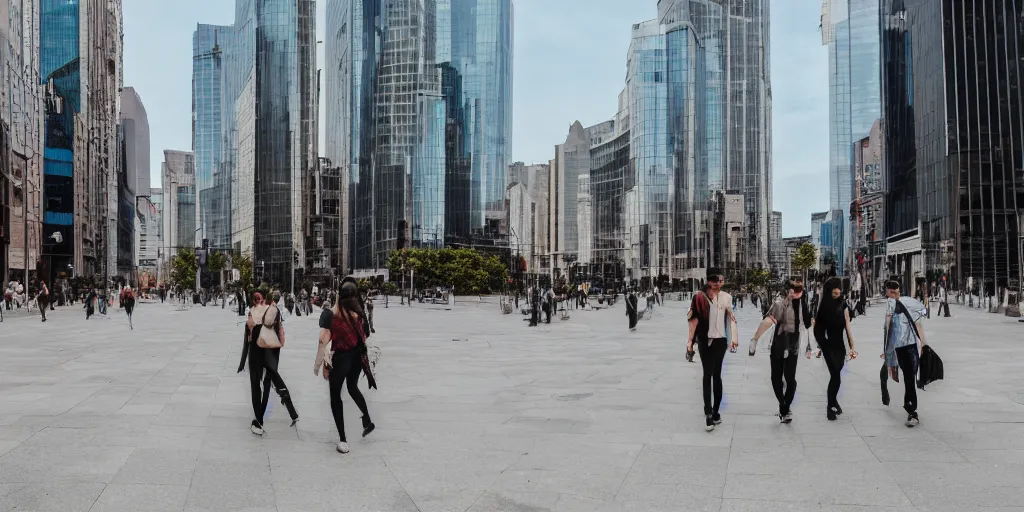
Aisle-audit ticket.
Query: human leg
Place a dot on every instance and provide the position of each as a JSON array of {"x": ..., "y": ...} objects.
[
  {"x": 270, "y": 366},
  {"x": 707, "y": 365},
  {"x": 907, "y": 359},
  {"x": 789, "y": 372},
  {"x": 255, "y": 376},
  {"x": 336, "y": 379},
  {"x": 352, "y": 380}
]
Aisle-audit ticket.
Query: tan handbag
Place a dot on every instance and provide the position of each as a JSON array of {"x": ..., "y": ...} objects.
[{"x": 268, "y": 336}]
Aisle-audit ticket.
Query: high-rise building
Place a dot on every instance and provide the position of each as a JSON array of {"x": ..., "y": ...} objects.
[
  {"x": 777, "y": 252},
  {"x": 572, "y": 160},
  {"x": 178, "y": 177},
  {"x": 81, "y": 67},
  {"x": 953, "y": 141},
  {"x": 736, "y": 106},
  {"x": 213, "y": 179},
  {"x": 418, "y": 111},
  {"x": 610, "y": 168},
  {"x": 20, "y": 147},
  {"x": 133, "y": 180},
  {"x": 269, "y": 125},
  {"x": 852, "y": 39},
  {"x": 584, "y": 221}
]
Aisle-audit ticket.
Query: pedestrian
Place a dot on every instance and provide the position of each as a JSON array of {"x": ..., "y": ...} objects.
[
  {"x": 43, "y": 299},
  {"x": 943, "y": 301},
  {"x": 711, "y": 320},
  {"x": 264, "y": 338},
  {"x": 89, "y": 301},
  {"x": 535, "y": 301},
  {"x": 369, "y": 312},
  {"x": 128, "y": 303},
  {"x": 786, "y": 315},
  {"x": 549, "y": 305},
  {"x": 341, "y": 357},
  {"x": 632, "y": 303},
  {"x": 831, "y": 321},
  {"x": 904, "y": 341}
]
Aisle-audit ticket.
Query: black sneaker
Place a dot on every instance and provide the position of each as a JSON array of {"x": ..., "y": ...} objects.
[
  {"x": 717, "y": 418},
  {"x": 831, "y": 414},
  {"x": 709, "y": 423},
  {"x": 839, "y": 410},
  {"x": 912, "y": 420}
]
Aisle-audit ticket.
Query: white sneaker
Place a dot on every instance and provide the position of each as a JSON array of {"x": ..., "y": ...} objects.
[
  {"x": 256, "y": 429},
  {"x": 342, "y": 447}
]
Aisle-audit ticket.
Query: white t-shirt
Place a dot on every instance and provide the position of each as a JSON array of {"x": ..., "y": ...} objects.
[{"x": 717, "y": 315}]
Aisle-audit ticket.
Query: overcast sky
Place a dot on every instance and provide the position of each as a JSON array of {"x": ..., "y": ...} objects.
[{"x": 570, "y": 63}]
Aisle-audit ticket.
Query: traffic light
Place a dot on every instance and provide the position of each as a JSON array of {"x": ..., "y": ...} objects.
[{"x": 202, "y": 257}]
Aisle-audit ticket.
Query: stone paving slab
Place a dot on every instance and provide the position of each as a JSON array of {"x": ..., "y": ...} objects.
[{"x": 477, "y": 412}]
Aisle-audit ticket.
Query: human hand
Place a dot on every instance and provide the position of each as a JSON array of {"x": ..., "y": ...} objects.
[
  {"x": 853, "y": 354},
  {"x": 735, "y": 344}
]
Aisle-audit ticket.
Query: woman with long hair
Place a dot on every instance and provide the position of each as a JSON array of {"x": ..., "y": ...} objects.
[
  {"x": 341, "y": 355},
  {"x": 832, "y": 320},
  {"x": 263, "y": 359}
]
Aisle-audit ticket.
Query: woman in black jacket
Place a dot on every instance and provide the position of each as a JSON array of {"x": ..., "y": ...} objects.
[{"x": 833, "y": 318}]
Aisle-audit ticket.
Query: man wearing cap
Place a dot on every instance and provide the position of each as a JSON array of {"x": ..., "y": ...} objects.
[{"x": 711, "y": 319}]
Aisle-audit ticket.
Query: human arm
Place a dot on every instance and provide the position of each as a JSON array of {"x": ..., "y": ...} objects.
[
  {"x": 321, "y": 350},
  {"x": 765, "y": 324},
  {"x": 849, "y": 334},
  {"x": 733, "y": 328}
]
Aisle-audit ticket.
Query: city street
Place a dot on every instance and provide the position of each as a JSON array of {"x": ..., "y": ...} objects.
[{"x": 478, "y": 412}]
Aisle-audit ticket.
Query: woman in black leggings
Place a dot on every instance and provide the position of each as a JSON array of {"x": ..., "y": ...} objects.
[
  {"x": 832, "y": 320},
  {"x": 264, "y": 361},
  {"x": 340, "y": 355}
]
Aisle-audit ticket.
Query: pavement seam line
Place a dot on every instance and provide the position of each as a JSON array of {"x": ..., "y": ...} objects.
[
  {"x": 400, "y": 484},
  {"x": 623, "y": 483}
]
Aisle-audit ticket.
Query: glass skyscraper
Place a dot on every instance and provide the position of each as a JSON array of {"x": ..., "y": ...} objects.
[
  {"x": 418, "y": 113},
  {"x": 213, "y": 182},
  {"x": 268, "y": 126},
  {"x": 59, "y": 35},
  {"x": 952, "y": 94}
]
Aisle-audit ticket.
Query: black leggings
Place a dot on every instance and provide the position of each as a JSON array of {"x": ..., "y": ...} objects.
[
  {"x": 784, "y": 367},
  {"x": 834, "y": 354},
  {"x": 265, "y": 360},
  {"x": 346, "y": 368},
  {"x": 711, "y": 358}
]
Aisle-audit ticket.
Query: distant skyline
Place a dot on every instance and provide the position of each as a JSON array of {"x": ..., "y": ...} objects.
[{"x": 569, "y": 64}]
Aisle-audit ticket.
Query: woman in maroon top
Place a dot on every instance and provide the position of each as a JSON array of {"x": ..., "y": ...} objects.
[{"x": 342, "y": 337}]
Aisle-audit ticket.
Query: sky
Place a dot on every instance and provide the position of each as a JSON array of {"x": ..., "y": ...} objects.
[{"x": 569, "y": 64}]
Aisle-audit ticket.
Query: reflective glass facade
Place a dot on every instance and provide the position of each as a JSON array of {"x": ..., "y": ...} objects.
[
  {"x": 665, "y": 83},
  {"x": 59, "y": 33},
  {"x": 610, "y": 166},
  {"x": 840, "y": 128},
  {"x": 954, "y": 148},
  {"x": 212, "y": 181},
  {"x": 269, "y": 124},
  {"x": 865, "y": 73},
  {"x": 418, "y": 113}
]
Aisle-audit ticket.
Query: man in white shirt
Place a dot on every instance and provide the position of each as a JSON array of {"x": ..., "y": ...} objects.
[{"x": 711, "y": 321}]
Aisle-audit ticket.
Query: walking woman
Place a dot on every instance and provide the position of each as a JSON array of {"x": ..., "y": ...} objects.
[
  {"x": 711, "y": 320},
  {"x": 631, "y": 309},
  {"x": 43, "y": 299},
  {"x": 128, "y": 303},
  {"x": 341, "y": 356},
  {"x": 832, "y": 320},
  {"x": 89, "y": 301},
  {"x": 264, "y": 351}
]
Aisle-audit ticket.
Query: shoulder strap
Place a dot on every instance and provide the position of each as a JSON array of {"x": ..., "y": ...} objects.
[{"x": 900, "y": 308}]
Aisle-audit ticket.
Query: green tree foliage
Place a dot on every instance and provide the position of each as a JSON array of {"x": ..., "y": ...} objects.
[
  {"x": 183, "y": 268},
  {"x": 806, "y": 256},
  {"x": 465, "y": 269},
  {"x": 244, "y": 266}
]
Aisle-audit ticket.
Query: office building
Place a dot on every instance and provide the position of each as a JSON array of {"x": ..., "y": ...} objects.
[
  {"x": 133, "y": 179},
  {"x": 178, "y": 195},
  {"x": 213, "y": 178},
  {"x": 584, "y": 222},
  {"x": 952, "y": 142},
  {"x": 324, "y": 236},
  {"x": 727, "y": 233},
  {"x": 418, "y": 112},
  {"x": 269, "y": 125},
  {"x": 81, "y": 67},
  {"x": 533, "y": 246},
  {"x": 572, "y": 160},
  {"x": 737, "y": 109},
  {"x": 20, "y": 147},
  {"x": 777, "y": 253},
  {"x": 868, "y": 209}
]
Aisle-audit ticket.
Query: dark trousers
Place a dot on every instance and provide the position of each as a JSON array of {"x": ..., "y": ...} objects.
[
  {"x": 711, "y": 358},
  {"x": 345, "y": 370},
  {"x": 534, "y": 315},
  {"x": 265, "y": 360},
  {"x": 907, "y": 358},
  {"x": 42, "y": 310},
  {"x": 834, "y": 354},
  {"x": 632, "y": 318},
  {"x": 944, "y": 309},
  {"x": 547, "y": 313},
  {"x": 784, "y": 368}
]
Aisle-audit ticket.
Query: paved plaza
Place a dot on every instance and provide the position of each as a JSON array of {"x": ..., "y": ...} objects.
[{"x": 477, "y": 412}]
